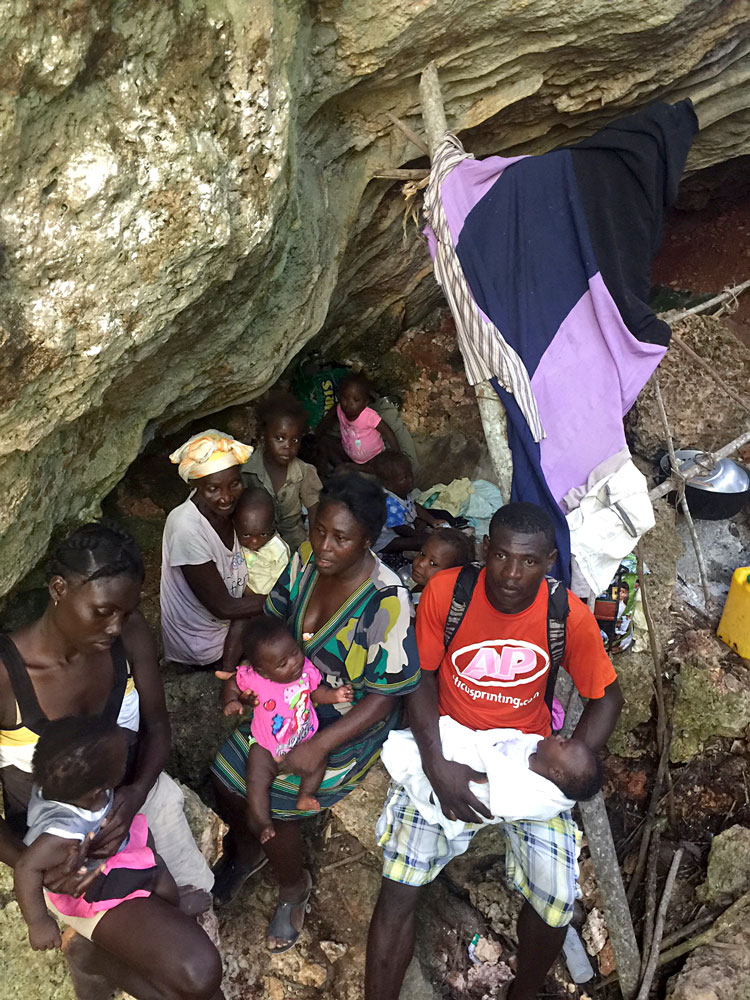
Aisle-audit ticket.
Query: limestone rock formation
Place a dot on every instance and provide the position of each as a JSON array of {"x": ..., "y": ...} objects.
[
  {"x": 728, "y": 874},
  {"x": 719, "y": 973},
  {"x": 700, "y": 415},
  {"x": 713, "y": 694},
  {"x": 186, "y": 192}
]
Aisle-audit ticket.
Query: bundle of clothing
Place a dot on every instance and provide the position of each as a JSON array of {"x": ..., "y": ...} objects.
[{"x": 545, "y": 262}]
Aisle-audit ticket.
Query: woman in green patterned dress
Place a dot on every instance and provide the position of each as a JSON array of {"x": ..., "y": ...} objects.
[{"x": 353, "y": 618}]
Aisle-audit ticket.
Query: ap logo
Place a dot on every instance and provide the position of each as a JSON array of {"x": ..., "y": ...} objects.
[{"x": 505, "y": 663}]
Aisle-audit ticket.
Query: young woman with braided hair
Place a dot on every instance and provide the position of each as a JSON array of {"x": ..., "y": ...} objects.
[{"x": 91, "y": 653}]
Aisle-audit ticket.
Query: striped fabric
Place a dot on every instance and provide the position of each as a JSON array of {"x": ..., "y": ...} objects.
[
  {"x": 485, "y": 351},
  {"x": 541, "y": 858}
]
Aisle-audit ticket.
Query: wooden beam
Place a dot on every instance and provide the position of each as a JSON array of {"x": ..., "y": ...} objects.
[
  {"x": 413, "y": 138},
  {"x": 402, "y": 174}
]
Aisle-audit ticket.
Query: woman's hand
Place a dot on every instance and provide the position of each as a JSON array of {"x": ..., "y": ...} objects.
[
  {"x": 72, "y": 877},
  {"x": 127, "y": 801},
  {"x": 305, "y": 759}
]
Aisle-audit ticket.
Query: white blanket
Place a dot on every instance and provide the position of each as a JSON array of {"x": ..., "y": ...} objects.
[{"x": 512, "y": 791}]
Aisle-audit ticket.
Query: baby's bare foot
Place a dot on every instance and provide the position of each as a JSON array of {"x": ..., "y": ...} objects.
[
  {"x": 308, "y": 803},
  {"x": 193, "y": 901},
  {"x": 266, "y": 833}
]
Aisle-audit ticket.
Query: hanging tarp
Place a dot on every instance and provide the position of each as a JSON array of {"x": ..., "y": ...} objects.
[{"x": 545, "y": 261}]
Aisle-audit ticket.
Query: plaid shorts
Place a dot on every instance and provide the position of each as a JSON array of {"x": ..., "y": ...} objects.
[{"x": 541, "y": 857}]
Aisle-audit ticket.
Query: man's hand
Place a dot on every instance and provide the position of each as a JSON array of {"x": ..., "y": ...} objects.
[
  {"x": 44, "y": 934},
  {"x": 127, "y": 801},
  {"x": 72, "y": 877},
  {"x": 450, "y": 782}
]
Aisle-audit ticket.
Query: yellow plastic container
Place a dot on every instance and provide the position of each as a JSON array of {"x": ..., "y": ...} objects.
[{"x": 734, "y": 627}]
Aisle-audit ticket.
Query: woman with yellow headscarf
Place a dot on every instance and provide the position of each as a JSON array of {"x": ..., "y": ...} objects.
[{"x": 203, "y": 571}]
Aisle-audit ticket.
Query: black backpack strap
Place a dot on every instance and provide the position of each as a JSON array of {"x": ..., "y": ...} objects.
[
  {"x": 466, "y": 581},
  {"x": 557, "y": 614},
  {"x": 31, "y": 714}
]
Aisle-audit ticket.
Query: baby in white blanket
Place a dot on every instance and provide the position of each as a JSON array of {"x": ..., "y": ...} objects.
[{"x": 527, "y": 777}]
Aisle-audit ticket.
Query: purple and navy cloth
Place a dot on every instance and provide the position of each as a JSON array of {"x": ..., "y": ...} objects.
[{"x": 545, "y": 262}]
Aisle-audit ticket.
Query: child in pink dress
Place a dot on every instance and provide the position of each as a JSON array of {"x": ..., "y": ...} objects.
[
  {"x": 286, "y": 686},
  {"x": 77, "y": 763},
  {"x": 364, "y": 433}
]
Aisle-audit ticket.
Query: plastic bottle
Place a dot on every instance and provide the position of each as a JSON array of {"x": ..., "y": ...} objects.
[{"x": 576, "y": 958}]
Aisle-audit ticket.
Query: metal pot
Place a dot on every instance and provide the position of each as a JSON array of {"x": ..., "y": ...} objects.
[{"x": 719, "y": 492}]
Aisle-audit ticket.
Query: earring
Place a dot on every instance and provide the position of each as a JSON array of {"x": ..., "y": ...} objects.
[{"x": 55, "y": 602}]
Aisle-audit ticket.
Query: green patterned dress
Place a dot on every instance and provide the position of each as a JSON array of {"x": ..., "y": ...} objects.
[{"x": 369, "y": 643}]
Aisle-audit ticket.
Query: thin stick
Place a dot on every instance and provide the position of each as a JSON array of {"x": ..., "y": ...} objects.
[
  {"x": 413, "y": 138},
  {"x": 659, "y": 927},
  {"x": 649, "y": 914},
  {"x": 433, "y": 112},
  {"x": 344, "y": 861},
  {"x": 650, "y": 822},
  {"x": 729, "y": 449},
  {"x": 722, "y": 923},
  {"x": 656, "y": 653},
  {"x": 402, "y": 174},
  {"x": 725, "y": 922},
  {"x": 711, "y": 371},
  {"x": 681, "y": 494},
  {"x": 699, "y": 924},
  {"x": 725, "y": 296}
]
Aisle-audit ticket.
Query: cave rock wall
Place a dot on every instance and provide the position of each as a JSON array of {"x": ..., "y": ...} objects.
[{"x": 186, "y": 193}]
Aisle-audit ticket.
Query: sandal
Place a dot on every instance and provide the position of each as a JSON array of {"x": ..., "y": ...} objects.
[
  {"x": 281, "y": 925},
  {"x": 230, "y": 876}
]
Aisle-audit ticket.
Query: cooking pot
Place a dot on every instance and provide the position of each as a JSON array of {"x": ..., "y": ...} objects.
[{"x": 721, "y": 490}]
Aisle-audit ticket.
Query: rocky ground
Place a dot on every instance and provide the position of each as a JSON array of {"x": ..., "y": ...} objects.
[{"x": 707, "y": 811}]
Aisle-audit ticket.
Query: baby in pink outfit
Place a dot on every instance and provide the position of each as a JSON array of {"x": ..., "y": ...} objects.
[{"x": 286, "y": 686}]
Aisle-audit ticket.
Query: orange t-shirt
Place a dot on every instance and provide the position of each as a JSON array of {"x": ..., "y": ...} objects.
[{"x": 494, "y": 672}]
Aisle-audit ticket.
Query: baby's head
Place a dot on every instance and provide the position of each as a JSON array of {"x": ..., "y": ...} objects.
[
  {"x": 443, "y": 549},
  {"x": 394, "y": 471},
  {"x": 569, "y": 764},
  {"x": 273, "y": 651},
  {"x": 354, "y": 394},
  {"x": 78, "y": 759},
  {"x": 254, "y": 518},
  {"x": 282, "y": 421}
]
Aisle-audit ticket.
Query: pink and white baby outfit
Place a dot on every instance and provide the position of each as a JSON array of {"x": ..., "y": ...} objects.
[
  {"x": 359, "y": 437},
  {"x": 285, "y": 714}
]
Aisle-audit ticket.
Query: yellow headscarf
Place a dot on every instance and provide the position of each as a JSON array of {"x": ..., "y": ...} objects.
[{"x": 209, "y": 452}]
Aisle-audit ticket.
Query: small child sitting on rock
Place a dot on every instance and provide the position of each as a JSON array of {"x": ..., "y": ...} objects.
[
  {"x": 265, "y": 552},
  {"x": 286, "y": 686},
  {"x": 364, "y": 433},
  {"x": 77, "y": 763},
  {"x": 527, "y": 777},
  {"x": 407, "y": 523}
]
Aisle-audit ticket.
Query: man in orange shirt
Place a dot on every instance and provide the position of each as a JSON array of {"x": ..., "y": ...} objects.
[{"x": 493, "y": 674}]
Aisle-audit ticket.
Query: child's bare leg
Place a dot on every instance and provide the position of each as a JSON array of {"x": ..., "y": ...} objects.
[
  {"x": 191, "y": 900},
  {"x": 261, "y": 770},
  {"x": 308, "y": 786}
]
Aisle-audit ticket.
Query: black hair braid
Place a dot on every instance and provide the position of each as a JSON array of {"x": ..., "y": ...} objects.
[
  {"x": 74, "y": 755},
  {"x": 98, "y": 550}
]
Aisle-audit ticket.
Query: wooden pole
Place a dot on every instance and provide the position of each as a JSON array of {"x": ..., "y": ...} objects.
[
  {"x": 491, "y": 410},
  {"x": 604, "y": 856}
]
